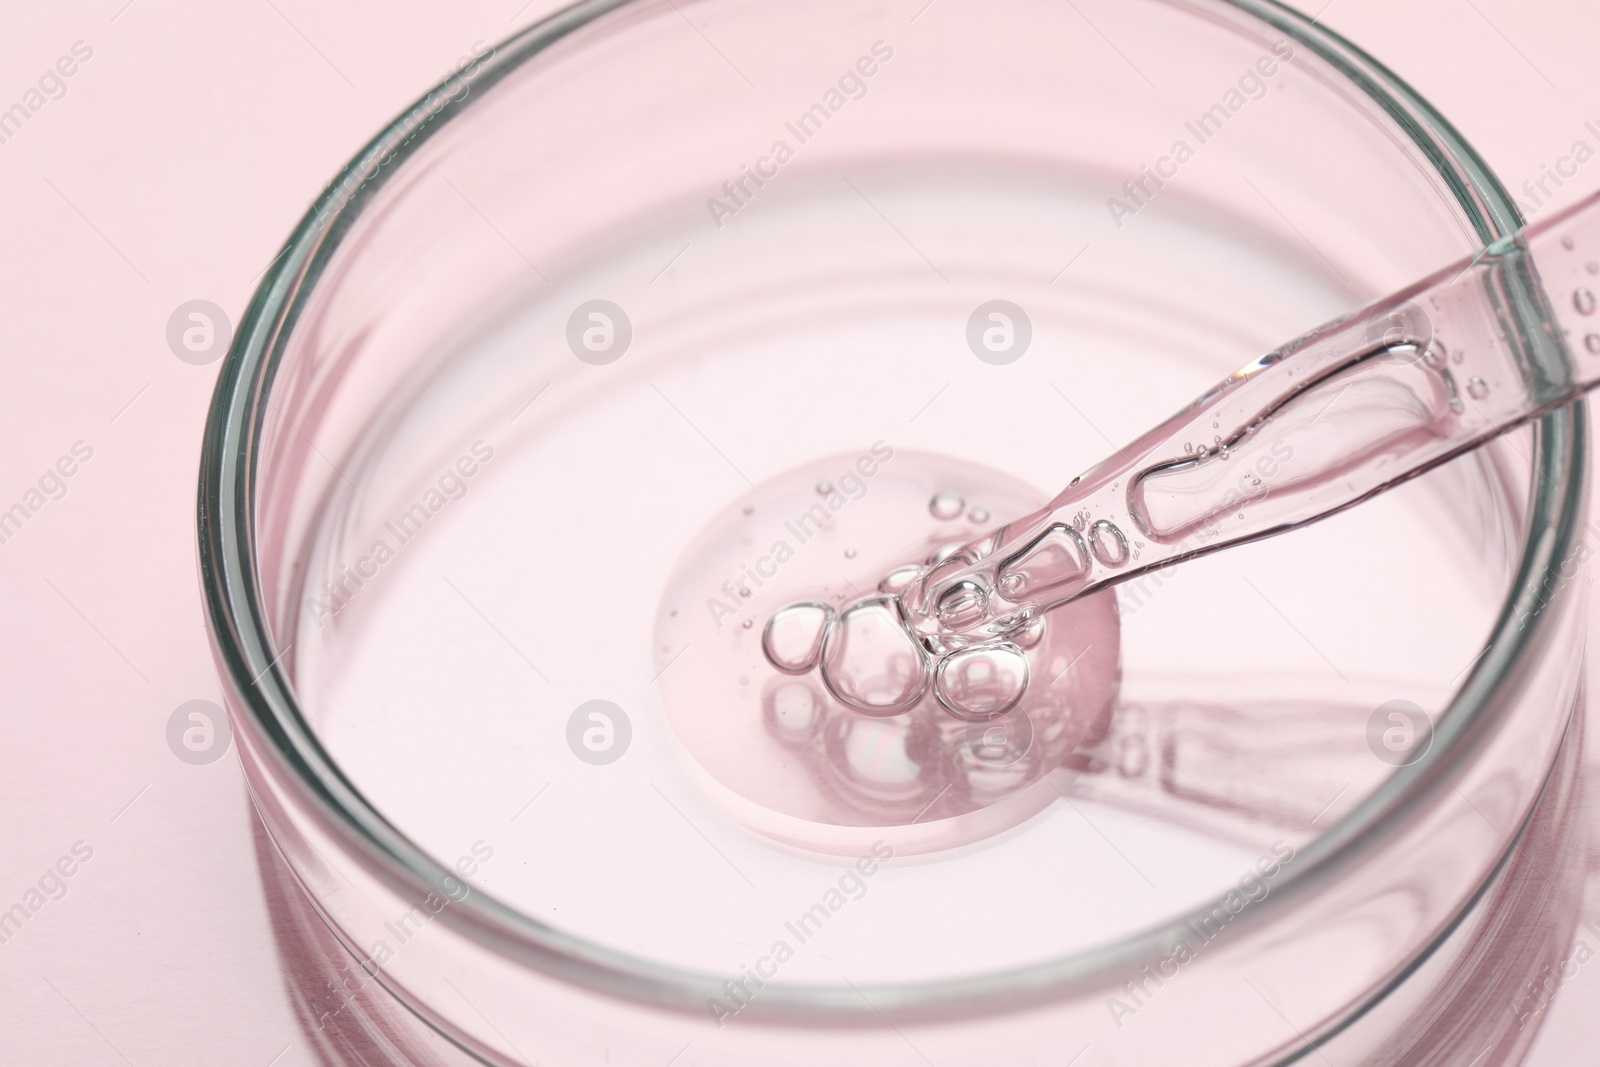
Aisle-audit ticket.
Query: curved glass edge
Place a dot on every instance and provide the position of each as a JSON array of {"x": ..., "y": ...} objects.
[{"x": 248, "y": 659}]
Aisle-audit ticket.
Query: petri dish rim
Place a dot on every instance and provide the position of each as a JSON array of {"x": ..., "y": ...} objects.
[{"x": 249, "y": 659}]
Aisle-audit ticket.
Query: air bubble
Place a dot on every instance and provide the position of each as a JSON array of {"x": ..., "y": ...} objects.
[
  {"x": 899, "y": 579},
  {"x": 947, "y": 506},
  {"x": 962, "y": 605},
  {"x": 1109, "y": 544},
  {"x": 1435, "y": 355},
  {"x": 824, "y": 487},
  {"x": 1477, "y": 388},
  {"x": 1584, "y": 301},
  {"x": 749, "y": 509},
  {"x": 1592, "y": 343},
  {"x": 792, "y": 640},
  {"x": 749, "y": 623},
  {"x": 870, "y": 661},
  {"x": 1593, "y": 266},
  {"x": 1568, "y": 243},
  {"x": 849, "y": 553},
  {"x": 979, "y": 515},
  {"x": 982, "y": 682}
]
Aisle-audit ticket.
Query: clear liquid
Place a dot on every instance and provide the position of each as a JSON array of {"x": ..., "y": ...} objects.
[
  {"x": 445, "y": 686},
  {"x": 1322, "y": 423}
]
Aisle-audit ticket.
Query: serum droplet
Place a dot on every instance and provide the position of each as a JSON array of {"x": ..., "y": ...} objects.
[
  {"x": 869, "y": 660},
  {"x": 982, "y": 682},
  {"x": 792, "y": 640},
  {"x": 947, "y": 506}
]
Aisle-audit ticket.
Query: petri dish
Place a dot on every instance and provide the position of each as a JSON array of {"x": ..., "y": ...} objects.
[{"x": 501, "y": 460}]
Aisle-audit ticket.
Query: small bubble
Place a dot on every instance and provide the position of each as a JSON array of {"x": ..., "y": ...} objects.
[
  {"x": 1593, "y": 266},
  {"x": 947, "y": 506},
  {"x": 978, "y": 514},
  {"x": 673, "y": 614},
  {"x": 899, "y": 579},
  {"x": 1189, "y": 448},
  {"x": 744, "y": 592},
  {"x": 1457, "y": 356},
  {"x": 1435, "y": 355},
  {"x": 824, "y": 487},
  {"x": 849, "y": 553},
  {"x": 1592, "y": 343},
  {"x": 749, "y": 509},
  {"x": 749, "y": 623},
  {"x": 1456, "y": 405},
  {"x": 1568, "y": 243},
  {"x": 1584, "y": 301},
  {"x": 1477, "y": 388}
]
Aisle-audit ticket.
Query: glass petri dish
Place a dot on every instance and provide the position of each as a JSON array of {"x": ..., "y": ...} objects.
[{"x": 523, "y": 411}]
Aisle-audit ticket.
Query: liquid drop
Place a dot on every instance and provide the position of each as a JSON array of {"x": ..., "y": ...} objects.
[
  {"x": 870, "y": 661},
  {"x": 900, "y": 579},
  {"x": 1477, "y": 388},
  {"x": 982, "y": 682},
  {"x": 793, "y": 638},
  {"x": 1584, "y": 301},
  {"x": 947, "y": 506}
]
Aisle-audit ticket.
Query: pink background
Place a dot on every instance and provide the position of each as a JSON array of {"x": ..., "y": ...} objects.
[{"x": 171, "y": 170}]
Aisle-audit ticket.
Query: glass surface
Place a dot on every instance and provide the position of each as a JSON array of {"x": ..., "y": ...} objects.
[{"x": 424, "y": 371}]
